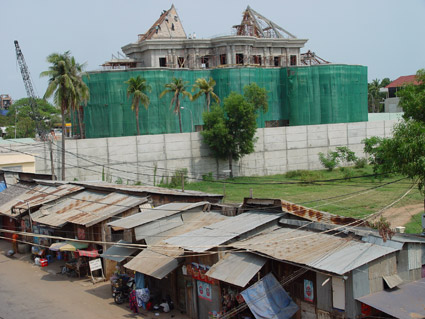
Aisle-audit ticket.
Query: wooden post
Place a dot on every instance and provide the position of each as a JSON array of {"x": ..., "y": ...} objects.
[{"x": 224, "y": 191}]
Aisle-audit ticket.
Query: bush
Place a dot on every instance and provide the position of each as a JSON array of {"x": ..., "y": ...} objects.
[
  {"x": 293, "y": 174},
  {"x": 310, "y": 176},
  {"x": 360, "y": 163},
  {"x": 208, "y": 177},
  {"x": 330, "y": 161},
  {"x": 348, "y": 172},
  {"x": 176, "y": 179}
]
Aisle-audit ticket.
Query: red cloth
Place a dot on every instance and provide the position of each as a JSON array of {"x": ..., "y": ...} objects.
[{"x": 89, "y": 253}]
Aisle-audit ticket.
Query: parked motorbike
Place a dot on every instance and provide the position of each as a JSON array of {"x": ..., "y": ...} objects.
[{"x": 121, "y": 289}]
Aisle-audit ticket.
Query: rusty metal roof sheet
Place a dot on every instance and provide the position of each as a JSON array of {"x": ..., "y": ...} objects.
[
  {"x": 317, "y": 250},
  {"x": 205, "y": 238},
  {"x": 406, "y": 302},
  {"x": 37, "y": 196},
  {"x": 319, "y": 216},
  {"x": 237, "y": 268},
  {"x": 150, "y": 215},
  {"x": 146, "y": 189},
  {"x": 301, "y": 211},
  {"x": 119, "y": 252},
  {"x": 86, "y": 208}
]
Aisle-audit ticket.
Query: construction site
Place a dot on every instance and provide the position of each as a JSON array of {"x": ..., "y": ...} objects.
[{"x": 303, "y": 89}]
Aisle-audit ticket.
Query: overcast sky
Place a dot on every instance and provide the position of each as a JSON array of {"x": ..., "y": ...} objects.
[{"x": 387, "y": 36}]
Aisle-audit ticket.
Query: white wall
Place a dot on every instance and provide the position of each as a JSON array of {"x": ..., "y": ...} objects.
[{"x": 134, "y": 158}]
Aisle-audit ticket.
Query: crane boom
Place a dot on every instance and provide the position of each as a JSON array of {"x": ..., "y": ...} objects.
[{"x": 35, "y": 115}]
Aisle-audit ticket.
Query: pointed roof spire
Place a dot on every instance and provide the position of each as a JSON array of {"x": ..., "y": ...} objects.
[
  {"x": 255, "y": 25},
  {"x": 168, "y": 26}
]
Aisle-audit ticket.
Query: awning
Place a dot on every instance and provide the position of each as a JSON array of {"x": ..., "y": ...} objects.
[
  {"x": 153, "y": 264},
  {"x": 406, "y": 302},
  {"x": 89, "y": 253},
  {"x": 118, "y": 253},
  {"x": 393, "y": 280},
  {"x": 68, "y": 246},
  {"x": 237, "y": 268}
]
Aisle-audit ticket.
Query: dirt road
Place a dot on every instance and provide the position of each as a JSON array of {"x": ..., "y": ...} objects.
[
  {"x": 29, "y": 291},
  {"x": 401, "y": 216}
]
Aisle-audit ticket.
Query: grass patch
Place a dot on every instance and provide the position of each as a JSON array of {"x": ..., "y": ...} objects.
[
  {"x": 415, "y": 224},
  {"x": 322, "y": 190}
]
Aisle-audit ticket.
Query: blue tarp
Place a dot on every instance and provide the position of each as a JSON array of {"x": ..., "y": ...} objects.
[
  {"x": 268, "y": 300},
  {"x": 2, "y": 186}
]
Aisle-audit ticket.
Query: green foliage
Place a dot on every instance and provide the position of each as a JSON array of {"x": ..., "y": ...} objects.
[
  {"x": 21, "y": 111},
  {"x": 414, "y": 226},
  {"x": 137, "y": 88},
  {"x": 332, "y": 159},
  {"x": 176, "y": 179},
  {"x": 229, "y": 131},
  {"x": 155, "y": 169},
  {"x": 205, "y": 88},
  {"x": 347, "y": 172},
  {"x": 310, "y": 176},
  {"x": 404, "y": 153},
  {"x": 360, "y": 163},
  {"x": 412, "y": 98},
  {"x": 208, "y": 177},
  {"x": 329, "y": 161},
  {"x": 119, "y": 181},
  {"x": 293, "y": 174},
  {"x": 374, "y": 96},
  {"x": 257, "y": 96},
  {"x": 177, "y": 87}
]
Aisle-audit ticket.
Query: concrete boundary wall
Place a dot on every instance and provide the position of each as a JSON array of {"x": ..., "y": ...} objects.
[{"x": 150, "y": 158}]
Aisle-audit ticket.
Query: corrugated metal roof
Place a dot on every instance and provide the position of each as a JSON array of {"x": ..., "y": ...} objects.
[
  {"x": 406, "y": 302},
  {"x": 13, "y": 191},
  {"x": 147, "y": 189},
  {"x": 160, "y": 258},
  {"x": 150, "y": 215},
  {"x": 153, "y": 264},
  {"x": 317, "y": 250},
  {"x": 118, "y": 253},
  {"x": 86, "y": 208},
  {"x": 237, "y": 268},
  {"x": 213, "y": 235},
  {"x": 37, "y": 196}
]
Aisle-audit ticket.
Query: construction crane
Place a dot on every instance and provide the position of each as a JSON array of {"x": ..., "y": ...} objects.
[{"x": 35, "y": 115}]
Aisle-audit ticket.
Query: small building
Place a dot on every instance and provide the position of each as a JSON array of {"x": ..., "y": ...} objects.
[
  {"x": 5, "y": 102},
  {"x": 391, "y": 101}
]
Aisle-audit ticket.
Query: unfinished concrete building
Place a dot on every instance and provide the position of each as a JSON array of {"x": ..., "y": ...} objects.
[{"x": 256, "y": 41}]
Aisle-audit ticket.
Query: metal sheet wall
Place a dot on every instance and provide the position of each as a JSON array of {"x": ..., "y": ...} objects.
[
  {"x": 324, "y": 292},
  {"x": 384, "y": 266}
]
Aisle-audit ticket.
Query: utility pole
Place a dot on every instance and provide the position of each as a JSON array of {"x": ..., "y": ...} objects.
[{"x": 51, "y": 137}]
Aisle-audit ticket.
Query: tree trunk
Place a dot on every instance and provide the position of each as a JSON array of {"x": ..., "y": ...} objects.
[
  {"x": 80, "y": 122},
  {"x": 180, "y": 116},
  {"x": 137, "y": 120},
  {"x": 208, "y": 100},
  {"x": 231, "y": 165},
  {"x": 63, "y": 139}
]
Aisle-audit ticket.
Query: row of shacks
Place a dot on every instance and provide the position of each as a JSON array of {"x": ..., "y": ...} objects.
[{"x": 265, "y": 258}]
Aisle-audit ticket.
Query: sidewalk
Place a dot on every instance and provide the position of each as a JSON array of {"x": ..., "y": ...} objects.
[{"x": 47, "y": 293}]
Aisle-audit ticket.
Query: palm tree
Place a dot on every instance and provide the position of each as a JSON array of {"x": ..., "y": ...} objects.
[
  {"x": 137, "y": 87},
  {"x": 205, "y": 88},
  {"x": 62, "y": 86},
  {"x": 82, "y": 93},
  {"x": 177, "y": 87}
]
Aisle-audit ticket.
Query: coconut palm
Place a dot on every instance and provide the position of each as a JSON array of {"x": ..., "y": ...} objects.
[
  {"x": 205, "y": 88},
  {"x": 137, "y": 87},
  {"x": 62, "y": 85},
  {"x": 81, "y": 94},
  {"x": 176, "y": 87}
]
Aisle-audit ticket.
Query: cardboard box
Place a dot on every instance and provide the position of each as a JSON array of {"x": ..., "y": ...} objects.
[{"x": 43, "y": 262}]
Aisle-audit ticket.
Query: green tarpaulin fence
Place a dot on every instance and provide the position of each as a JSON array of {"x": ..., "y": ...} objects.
[{"x": 319, "y": 94}]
